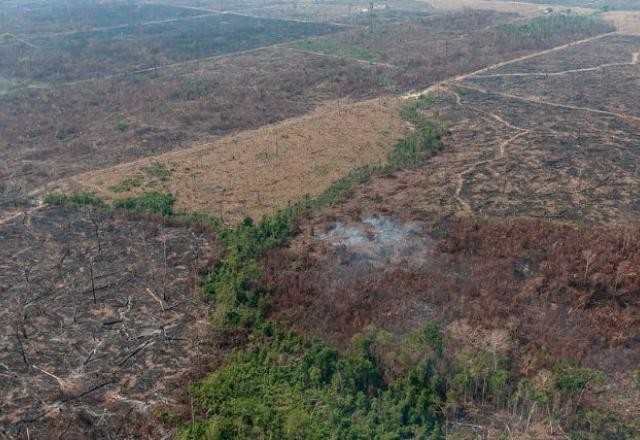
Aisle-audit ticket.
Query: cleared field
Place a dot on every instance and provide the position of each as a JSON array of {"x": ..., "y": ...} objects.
[
  {"x": 627, "y": 22},
  {"x": 228, "y": 187},
  {"x": 511, "y": 157},
  {"x": 51, "y": 133},
  {"x": 258, "y": 171},
  {"x": 605, "y": 5},
  {"x": 102, "y": 323},
  {"x": 438, "y": 47},
  {"x": 97, "y": 53},
  {"x": 527, "y": 9},
  {"x": 611, "y": 50},
  {"x": 580, "y": 90},
  {"x": 564, "y": 151},
  {"x": 338, "y": 10},
  {"x": 357, "y": 13},
  {"x": 72, "y": 15}
]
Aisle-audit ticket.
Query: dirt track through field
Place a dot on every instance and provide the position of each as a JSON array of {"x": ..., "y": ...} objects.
[
  {"x": 537, "y": 100},
  {"x": 464, "y": 76},
  {"x": 633, "y": 62},
  {"x": 8, "y": 218}
]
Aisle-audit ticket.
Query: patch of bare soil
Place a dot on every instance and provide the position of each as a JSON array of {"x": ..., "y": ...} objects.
[
  {"x": 102, "y": 325},
  {"x": 259, "y": 171}
]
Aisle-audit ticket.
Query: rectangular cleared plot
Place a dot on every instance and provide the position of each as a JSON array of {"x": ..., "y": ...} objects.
[{"x": 98, "y": 53}]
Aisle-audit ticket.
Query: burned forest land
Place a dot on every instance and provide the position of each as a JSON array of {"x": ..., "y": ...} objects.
[
  {"x": 102, "y": 322},
  {"x": 398, "y": 58},
  {"x": 516, "y": 239},
  {"x": 510, "y": 155},
  {"x": 130, "y": 114},
  {"x": 449, "y": 238}
]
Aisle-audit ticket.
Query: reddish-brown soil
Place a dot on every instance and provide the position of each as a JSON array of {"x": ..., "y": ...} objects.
[{"x": 102, "y": 323}]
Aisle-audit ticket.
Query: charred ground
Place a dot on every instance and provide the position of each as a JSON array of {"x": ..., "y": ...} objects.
[
  {"x": 482, "y": 289},
  {"x": 102, "y": 322}
]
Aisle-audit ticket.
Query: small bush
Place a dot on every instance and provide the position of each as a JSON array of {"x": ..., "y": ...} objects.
[
  {"x": 79, "y": 201},
  {"x": 148, "y": 203},
  {"x": 159, "y": 171},
  {"x": 570, "y": 378},
  {"x": 122, "y": 126}
]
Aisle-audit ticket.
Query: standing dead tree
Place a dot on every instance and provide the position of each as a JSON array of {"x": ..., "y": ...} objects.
[{"x": 93, "y": 282}]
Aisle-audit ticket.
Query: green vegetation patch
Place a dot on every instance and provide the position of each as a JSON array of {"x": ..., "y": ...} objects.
[
  {"x": 331, "y": 47},
  {"x": 79, "y": 201},
  {"x": 122, "y": 125},
  {"x": 159, "y": 171},
  {"x": 151, "y": 202},
  {"x": 282, "y": 386}
]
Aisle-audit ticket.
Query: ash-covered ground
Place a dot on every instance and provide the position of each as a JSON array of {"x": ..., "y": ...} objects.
[{"x": 102, "y": 323}]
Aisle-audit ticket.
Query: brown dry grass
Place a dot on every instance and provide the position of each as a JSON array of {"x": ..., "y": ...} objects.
[
  {"x": 51, "y": 133},
  {"x": 258, "y": 171},
  {"x": 522, "y": 8},
  {"x": 626, "y": 21}
]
